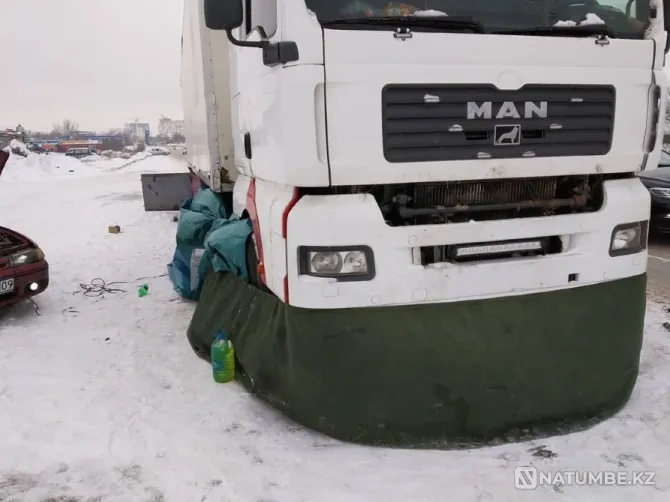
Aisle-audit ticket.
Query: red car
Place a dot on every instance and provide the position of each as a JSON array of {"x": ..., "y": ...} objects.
[{"x": 23, "y": 270}]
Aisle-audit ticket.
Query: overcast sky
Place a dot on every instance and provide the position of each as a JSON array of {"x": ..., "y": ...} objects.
[{"x": 98, "y": 62}]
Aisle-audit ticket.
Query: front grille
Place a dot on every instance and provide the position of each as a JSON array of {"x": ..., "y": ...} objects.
[
  {"x": 460, "y": 201},
  {"x": 509, "y": 191},
  {"x": 423, "y": 122}
]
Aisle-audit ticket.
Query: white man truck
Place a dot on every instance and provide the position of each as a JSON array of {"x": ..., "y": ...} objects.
[{"x": 449, "y": 239}]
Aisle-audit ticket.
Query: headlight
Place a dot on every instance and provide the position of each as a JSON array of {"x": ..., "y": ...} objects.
[
  {"x": 343, "y": 263},
  {"x": 664, "y": 193},
  {"x": 26, "y": 257},
  {"x": 629, "y": 238}
]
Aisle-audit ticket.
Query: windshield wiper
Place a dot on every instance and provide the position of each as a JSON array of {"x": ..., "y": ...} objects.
[
  {"x": 440, "y": 22},
  {"x": 584, "y": 30}
]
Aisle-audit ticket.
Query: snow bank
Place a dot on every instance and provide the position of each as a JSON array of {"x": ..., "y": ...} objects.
[
  {"x": 118, "y": 163},
  {"x": 17, "y": 146},
  {"x": 36, "y": 167},
  {"x": 90, "y": 158}
]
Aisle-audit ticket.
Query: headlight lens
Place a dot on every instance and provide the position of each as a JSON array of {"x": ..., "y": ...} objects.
[
  {"x": 325, "y": 263},
  {"x": 355, "y": 262},
  {"x": 664, "y": 193},
  {"x": 629, "y": 238},
  {"x": 341, "y": 263},
  {"x": 26, "y": 257}
]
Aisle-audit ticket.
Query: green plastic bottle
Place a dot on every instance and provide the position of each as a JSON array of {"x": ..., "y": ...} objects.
[{"x": 223, "y": 358}]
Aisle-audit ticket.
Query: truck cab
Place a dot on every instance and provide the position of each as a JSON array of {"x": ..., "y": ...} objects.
[{"x": 444, "y": 140}]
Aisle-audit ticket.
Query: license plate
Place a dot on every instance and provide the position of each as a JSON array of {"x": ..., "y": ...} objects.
[{"x": 6, "y": 286}]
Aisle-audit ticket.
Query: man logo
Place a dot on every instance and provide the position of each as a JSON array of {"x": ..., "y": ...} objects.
[
  {"x": 507, "y": 110},
  {"x": 525, "y": 478},
  {"x": 507, "y": 135}
]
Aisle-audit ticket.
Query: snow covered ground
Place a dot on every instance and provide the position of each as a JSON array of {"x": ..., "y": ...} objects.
[{"x": 102, "y": 399}]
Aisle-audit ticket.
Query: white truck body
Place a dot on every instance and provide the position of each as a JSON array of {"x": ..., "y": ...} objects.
[
  {"x": 320, "y": 128},
  {"x": 206, "y": 98}
]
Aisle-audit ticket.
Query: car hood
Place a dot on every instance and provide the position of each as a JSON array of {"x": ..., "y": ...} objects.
[{"x": 13, "y": 242}]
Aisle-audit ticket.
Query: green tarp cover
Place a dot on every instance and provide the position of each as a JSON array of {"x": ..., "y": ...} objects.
[
  {"x": 197, "y": 215},
  {"x": 208, "y": 236},
  {"x": 226, "y": 245},
  {"x": 437, "y": 374}
]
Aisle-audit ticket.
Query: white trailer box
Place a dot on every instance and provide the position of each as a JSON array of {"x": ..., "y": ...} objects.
[{"x": 206, "y": 99}]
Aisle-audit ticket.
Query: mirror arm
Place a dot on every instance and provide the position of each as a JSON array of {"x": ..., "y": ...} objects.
[{"x": 239, "y": 43}]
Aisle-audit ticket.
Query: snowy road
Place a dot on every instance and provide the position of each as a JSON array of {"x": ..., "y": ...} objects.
[{"x": 102, "y": 399}]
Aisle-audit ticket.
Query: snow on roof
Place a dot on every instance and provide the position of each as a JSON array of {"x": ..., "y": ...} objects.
[
  {"x": 430, "y": 13},
  {"x": 590, "y": 19}
]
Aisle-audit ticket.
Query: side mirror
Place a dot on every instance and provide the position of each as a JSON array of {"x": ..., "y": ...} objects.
[
  {"x": 226, "y": 15},
  {"x": 223, "y": 14}
]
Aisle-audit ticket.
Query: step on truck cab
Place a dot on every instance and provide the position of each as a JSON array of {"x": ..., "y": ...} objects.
[{"x": 471, "y": 161}]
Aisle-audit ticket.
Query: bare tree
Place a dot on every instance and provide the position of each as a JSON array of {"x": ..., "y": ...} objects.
[
  {"x": 64, "y": 128},
  {"x": 70, "y": 126},
  {"x": 56, "y": 129}
]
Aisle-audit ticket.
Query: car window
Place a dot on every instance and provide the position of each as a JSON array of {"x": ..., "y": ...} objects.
[{"x": 665, "y": 159}]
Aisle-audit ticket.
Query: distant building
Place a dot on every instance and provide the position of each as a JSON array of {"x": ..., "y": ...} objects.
[
  {"x": 169, "y": 127},
  {"x": 137, "y": 129}
]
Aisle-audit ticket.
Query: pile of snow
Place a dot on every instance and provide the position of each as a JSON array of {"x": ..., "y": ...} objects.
[
  {"x": 17, "y": 146},
  {"x": 590, "y": 19},
  {"x": 37, "y": 167},
  {"x": 40, "y": 166}
]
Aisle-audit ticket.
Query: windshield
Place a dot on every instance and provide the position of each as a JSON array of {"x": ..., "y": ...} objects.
[{"x": 623, "y": 18}]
